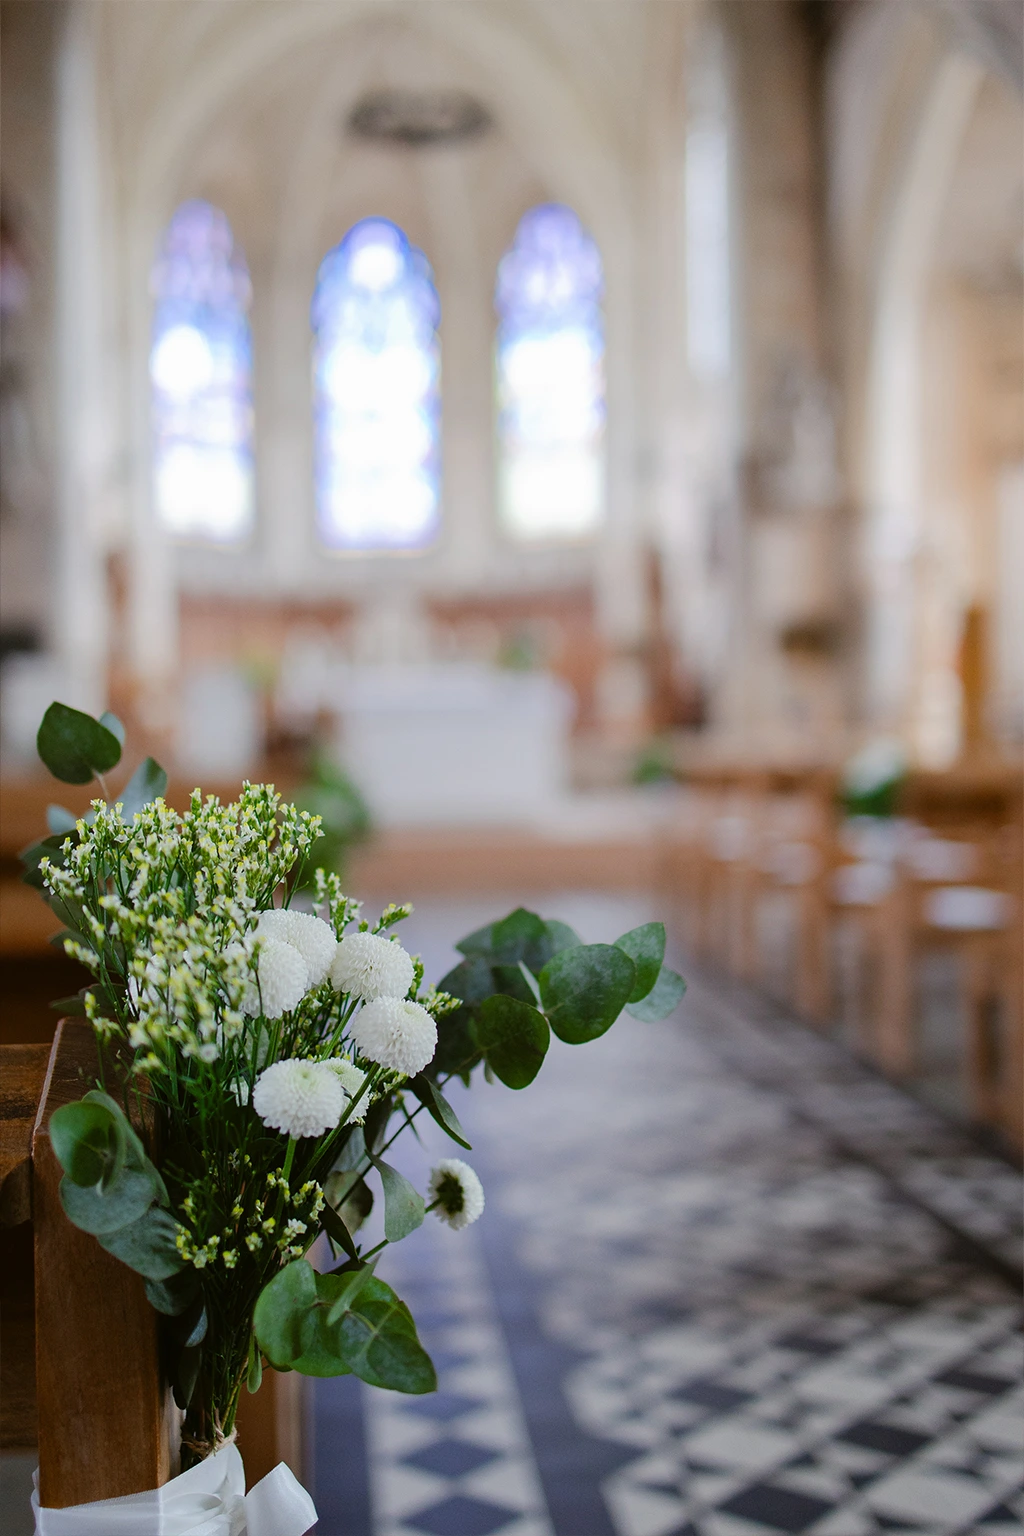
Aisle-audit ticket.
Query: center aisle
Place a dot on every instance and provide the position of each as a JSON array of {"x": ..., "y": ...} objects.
[{"x": 727, "y": 1283}]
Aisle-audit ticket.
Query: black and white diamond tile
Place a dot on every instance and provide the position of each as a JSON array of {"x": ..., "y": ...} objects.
[
  {"x": 456, "y": 1462},
  {"x": 744, "y": 1287}
]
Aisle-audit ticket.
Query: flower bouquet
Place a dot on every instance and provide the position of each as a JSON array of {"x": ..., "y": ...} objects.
[{"x": 258, "y": 1060}]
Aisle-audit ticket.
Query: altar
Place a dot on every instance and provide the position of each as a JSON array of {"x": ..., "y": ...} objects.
[{"x": 453, "y": 744}]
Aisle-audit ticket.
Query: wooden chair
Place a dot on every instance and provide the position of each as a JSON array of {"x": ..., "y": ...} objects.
[
  {"x": 960, "y": 894},
  {"x": 80, "y": 1352}
]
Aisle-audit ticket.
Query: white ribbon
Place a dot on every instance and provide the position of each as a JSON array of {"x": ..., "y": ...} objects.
[{"x": 207, "y": 1500}]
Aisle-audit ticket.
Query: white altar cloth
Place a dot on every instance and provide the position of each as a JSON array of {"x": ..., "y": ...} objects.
[{"x": 453, "y": 744}]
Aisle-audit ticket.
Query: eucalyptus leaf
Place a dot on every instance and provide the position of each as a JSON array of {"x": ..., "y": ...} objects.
[
  {"x": 457, "y": 1049},
  {"x": 147, "y": 783},
  {"x": 352, "y": 1152},
  {"x": 111, "y": 723},
  {"x": 514, "y": 1038},
  {"x": 146, "y": 1245},
  {"x": 379, "y": 1343},
  {"x": 522, "y": 936},
  {"x": 403, "y": 1205},
  {"x": 135, "y": 1152},
  {"x": 561, "y": 936},
  {"x": 531, "y": 982},
  {"x": 254, "y": 1373},
  {"x": 280, "y": 1308},
  {"x": 585, "y": 989},
  {"x": 102, "y": 1212},
  {"x": 74, "y": 746},
  {"x": 337, "y": 1231},
  {"x": 67, "y": 1007},
  {"x": 472, "y": 980},
  {"x": 508, "y": 980},
  {"x": 645, "y": 946},
  {"x": 198, "y": 1331},
  {"x": 437, "y": 1106},
  {"x": 476, "y": 943},
  {"x": 664, "y": 997},
  {"x": 176, "y": 1294},
  {"x": 351, "y": 1198},
  {"x": 84, "y": 1139},
  {"x": 60, "y": 821},
  {"x": 353, "y": 1283}
]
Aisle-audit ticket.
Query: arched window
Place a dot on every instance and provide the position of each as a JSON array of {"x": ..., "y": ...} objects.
[
  {"x": 550, "y": 366},
  {"x": 708, "y": 260},
  {"x": 376, "y": 376},
  {"x": 201, "y": 371}
]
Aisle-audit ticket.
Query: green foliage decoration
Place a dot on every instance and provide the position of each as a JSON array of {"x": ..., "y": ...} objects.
[{"x": 182, "y": 1176}]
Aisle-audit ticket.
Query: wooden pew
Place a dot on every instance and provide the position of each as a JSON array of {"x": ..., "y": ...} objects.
[{"x": 80, "y": 1349}]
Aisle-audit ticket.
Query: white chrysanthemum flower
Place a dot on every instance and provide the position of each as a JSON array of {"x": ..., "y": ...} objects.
[
  {"x": 457, "y": 1191},
  {"x": 283, "y": 978},
  {"x": 311, "y": 936},
  {"x": 369, "y": 966},
  {"x": 395, "y": 1033},
  {"x": 351, "y": 1080},
  {"x": 300, "y": 1098}
]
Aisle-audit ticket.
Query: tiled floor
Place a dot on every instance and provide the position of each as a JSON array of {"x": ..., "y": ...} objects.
[{"x": 728, "y": 1283}]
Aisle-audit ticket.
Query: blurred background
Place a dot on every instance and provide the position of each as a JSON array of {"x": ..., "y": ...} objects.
[{"x": 578, "y": 449}]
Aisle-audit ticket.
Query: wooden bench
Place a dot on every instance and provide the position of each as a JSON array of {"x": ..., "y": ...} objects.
[{"x": 80, "y": 1358}]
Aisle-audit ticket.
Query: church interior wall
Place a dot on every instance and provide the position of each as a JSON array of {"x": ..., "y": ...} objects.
[{"x": 747, "y": 501}]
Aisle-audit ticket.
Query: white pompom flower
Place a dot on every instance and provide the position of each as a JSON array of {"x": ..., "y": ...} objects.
[
  {"x": 395, "y": 1033},
  {"x": 351, "y": 1080},
  {"x": 300, "y": 1098},
  {"x": 283, "y": 980},
  {"x": 368, "y": 966},
  {"x": 457, "y": 1195},
  {"x": 311, "y": 936}
]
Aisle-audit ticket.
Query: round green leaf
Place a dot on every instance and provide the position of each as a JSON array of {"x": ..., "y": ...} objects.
[
  {"x": 663, "y": 998},
  {"x": 378, "y": 1342},
  {"x": 147, "y": 783},
  {"x": 146, "y": 1245},
  {"x": 645, "y": 946},
  {"x": 102, "y": 1211},
  {"x": 84, "y": 1139},
  {"x": 403, "y": 1205},
  {"x": 585, "y": 989},
  {"x": 521, "y": 936},
  {"x": 74, "y": 746},
  {"x": 561, "y": 936},
  {"x": 513, "y": 1037},
  {"x": 280, "y": 1310}
]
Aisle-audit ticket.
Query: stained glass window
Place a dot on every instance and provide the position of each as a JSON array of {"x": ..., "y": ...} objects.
[
  {"x": 550, "y": 365},
  {"x": 201, "y": 371},
  {"x": 376, "y": 376}
]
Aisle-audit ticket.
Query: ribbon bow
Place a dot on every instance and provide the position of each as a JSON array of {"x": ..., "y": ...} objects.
[{"x": 207, "y": 1500}]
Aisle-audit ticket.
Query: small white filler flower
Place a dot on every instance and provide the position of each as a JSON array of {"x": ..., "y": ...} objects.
[
  {"x": 284, "y": 980},
  {"x": 311, "y": 936},
  {"x": 458, "y": 1193},
  {"x": 351, "y": 1080},
  {"x": 395, "y": 1033},
  {"x": 300, "y": 1098},
  {"x": 369, "y": 966}
]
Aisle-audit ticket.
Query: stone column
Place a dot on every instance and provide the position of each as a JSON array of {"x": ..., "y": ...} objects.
[{"x": 80, "y": 618}]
